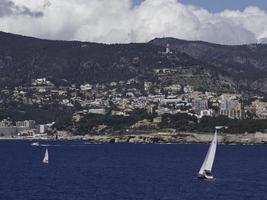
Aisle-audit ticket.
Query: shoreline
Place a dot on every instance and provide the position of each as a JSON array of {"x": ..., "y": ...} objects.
[{"x": 153, "y": 138}]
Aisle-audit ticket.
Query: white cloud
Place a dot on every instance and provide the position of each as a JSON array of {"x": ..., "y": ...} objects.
[{"x": 117, "y": 21}]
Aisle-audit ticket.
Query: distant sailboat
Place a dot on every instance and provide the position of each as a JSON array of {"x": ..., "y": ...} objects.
[
  {"x": 205, "y": 170},
  {"x": 35, "y": 144},
  {"x": 45, "y": 160}
]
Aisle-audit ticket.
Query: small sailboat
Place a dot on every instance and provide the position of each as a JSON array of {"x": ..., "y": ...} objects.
[
  {"x": 35, "y": 144},
  {"x": 46, "y": 159},
  {"x": 205, "y": 170}
]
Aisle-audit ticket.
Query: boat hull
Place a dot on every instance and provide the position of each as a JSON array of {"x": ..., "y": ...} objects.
[{"x": 205, "y": 176}]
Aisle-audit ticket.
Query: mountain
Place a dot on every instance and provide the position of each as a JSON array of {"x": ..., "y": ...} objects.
[
  {"x": 263, "y": 40},
  {"x": 203, "y": 65},
  {"x": 24, "y": 58},
  {"x": 246, "y": 64}
]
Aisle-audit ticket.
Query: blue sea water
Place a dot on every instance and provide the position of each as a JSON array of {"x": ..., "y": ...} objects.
[{"x": 79, "y": 171}]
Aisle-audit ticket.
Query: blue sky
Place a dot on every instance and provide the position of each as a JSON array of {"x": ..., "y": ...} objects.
[{"x": 219, "y": 5}]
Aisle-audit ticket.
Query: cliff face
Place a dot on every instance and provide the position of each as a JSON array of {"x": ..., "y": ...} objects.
[{"x": 203, "y": 65}]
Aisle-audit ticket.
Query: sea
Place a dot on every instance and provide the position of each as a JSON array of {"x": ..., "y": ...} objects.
[{"x": 84, "y": 171}]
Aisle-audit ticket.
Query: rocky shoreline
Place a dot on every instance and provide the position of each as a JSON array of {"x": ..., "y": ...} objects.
[
  {"x": 158, "y": 138},
  {"x": 179, "y": 138}
]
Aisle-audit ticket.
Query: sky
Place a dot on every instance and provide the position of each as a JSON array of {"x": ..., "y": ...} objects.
[
  {"x": 220, "y": 5},
  {"x": 123, "y": 21}
]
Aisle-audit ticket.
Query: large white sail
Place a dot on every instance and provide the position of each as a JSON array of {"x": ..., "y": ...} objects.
[
  {"x": 45, "y": 160},
  {"x": 209, "y": 159}
]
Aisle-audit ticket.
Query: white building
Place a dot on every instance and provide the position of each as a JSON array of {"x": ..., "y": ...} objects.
[
  {"x": 188, "y": 89},
  {"x": 86, "y": 87},
  {"x": 5, "y": 123},
  {"x": 25, "y": 124},
  {"x": 208, "y": 112},
  {"x": 100, "y": 111}
]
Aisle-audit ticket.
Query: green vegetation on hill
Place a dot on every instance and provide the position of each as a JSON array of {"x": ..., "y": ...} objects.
[
  {"x": 91, "y": 123},
  {"x": 41, "y": 115},
  {"x": 184, "y": 122}
]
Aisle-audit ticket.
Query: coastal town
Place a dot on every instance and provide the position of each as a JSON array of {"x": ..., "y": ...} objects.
[
  {"x": 163, "y": 101},
  {"x": 121, "y": 99}
]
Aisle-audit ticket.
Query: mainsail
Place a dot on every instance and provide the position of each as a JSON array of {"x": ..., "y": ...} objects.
[
  {"x": 209, "y": 159},
  {"x": 45, "y": 160}
]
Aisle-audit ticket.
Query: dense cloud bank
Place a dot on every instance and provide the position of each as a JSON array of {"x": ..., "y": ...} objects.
[
  {"x": 118, "y": 21},
  {"x": 8, "y": 7}
]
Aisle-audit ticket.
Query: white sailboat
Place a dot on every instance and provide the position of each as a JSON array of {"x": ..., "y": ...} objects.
[
  {"x": 35, "y": 144},
  {"x": 46, "y": 157},
  {"x": 205, "y": 170}
]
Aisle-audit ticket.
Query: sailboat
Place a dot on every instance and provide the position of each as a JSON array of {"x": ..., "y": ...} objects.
[
  {"x": 35, "y": 144},
  {"x": 45, "y": 160},
  {"x": 205, "y": 170}
]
